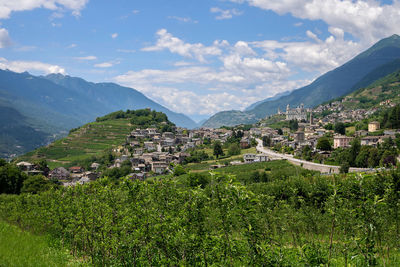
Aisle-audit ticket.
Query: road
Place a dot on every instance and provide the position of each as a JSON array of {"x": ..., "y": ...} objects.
[{"x": 303, "y": 163}]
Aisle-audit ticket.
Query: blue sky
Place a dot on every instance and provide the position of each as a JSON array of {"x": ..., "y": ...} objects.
[{"x": 197, "y": 57}]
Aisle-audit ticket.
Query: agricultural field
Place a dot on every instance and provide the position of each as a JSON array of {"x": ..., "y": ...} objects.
[{"x": 301, "y": 219}]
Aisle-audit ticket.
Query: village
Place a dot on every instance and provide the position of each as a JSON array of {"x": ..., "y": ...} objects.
[{"x": 149, "y": 152}]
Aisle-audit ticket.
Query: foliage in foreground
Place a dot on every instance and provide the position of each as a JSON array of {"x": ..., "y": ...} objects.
[{"x": 298, "y": 221}]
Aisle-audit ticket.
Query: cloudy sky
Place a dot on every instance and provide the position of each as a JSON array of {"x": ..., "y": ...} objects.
[{"x": 197, "y": 57}]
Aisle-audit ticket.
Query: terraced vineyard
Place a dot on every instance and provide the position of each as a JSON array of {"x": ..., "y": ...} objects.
[{"x": 93, "y": 139}]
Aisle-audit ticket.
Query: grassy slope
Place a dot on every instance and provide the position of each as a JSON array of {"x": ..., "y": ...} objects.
[
  {"x": 91, "y": 139},
  {"x": 387, "y": 88},
  {"x": 19, "y": 248}
]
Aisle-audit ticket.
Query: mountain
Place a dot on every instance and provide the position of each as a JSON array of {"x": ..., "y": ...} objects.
[
  {"x": 111, "y": 97},
  {"x": 363, "y": 69},
  {"x": 52, "y": 105},
  {"x": 380, "y": 94},
  {"x": 230, "y": 118},
  {"x": 275, "y": 97},
  {"x": 17, "y": 134}
]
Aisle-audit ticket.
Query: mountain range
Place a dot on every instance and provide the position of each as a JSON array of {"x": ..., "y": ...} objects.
[
  {"x": 35, "y": 110},
  {"x": 376, "y": 62},
  {"x": 38, "y": 109}
]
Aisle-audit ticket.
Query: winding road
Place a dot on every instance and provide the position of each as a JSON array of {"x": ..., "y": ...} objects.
[{"x": 303, "y": 163}]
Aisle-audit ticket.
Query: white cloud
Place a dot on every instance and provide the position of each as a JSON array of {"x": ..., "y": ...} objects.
[
  {"x": 225, "y": 14},
  {"x": 26, "y": 48},
  {"x": 21, "y": 66},
  {"x": 126, "y": 50},
  {"x": 9, "y": 6},
  {"x": 183, "y": 19},
  {"x": 176, "y": 45},
  {"x": 182, "y": 64},
  {"x": 106, "y": 64},
  {"x": 368, "y": 20},
  {"x": 135, "y": 11},
  {"x": 114, "y": 35},
  {"x": 162, "y": 86},
  {"x": 72, "y": 46},
  {"x": 5, "y": 39},
  {"x": 86, "y": 58},
  {"x": 237, "y": 75},
  {"x": 315, "y": 55}
]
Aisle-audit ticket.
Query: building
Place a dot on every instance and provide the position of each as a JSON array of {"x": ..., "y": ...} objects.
[
  {"x": 59, "y": 173},
  {"x": 76, "y": 169},
  {"x": 298, "y": 113},
  {"x": 159, "y": 167},
  {"x": 244, "y": 143},
  {"x": 25, "y": 166},
  {"x": 341, "y": 141},
  {"x": 299, "y": 137},
  {"x": 249, "y": 158},
  {"x": 370, "y": 140},
  {"x": 373, "y": 126}
]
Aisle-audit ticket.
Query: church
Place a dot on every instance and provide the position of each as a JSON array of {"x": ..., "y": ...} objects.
[{"x": 298, "y": 113}]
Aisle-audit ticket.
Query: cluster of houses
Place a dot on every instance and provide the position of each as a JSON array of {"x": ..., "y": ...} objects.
[
  {"x": 338, "y": 112},
  {"x": 147, "y": 151},
  {"x": 72, "y": 176},
  {"x": 309, "y": 133}
]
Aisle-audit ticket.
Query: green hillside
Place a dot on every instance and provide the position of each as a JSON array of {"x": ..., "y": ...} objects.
[
  {"x": 385, "y": 89},
  {"x": 97, "y": 138},
  {"x": 229, "y": 118}
]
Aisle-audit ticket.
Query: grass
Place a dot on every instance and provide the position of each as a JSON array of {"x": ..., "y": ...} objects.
[
  {"x": 277, "y": 169},
  {"x": 20, "y": 248},
  {"x": 205, "y": 165}
]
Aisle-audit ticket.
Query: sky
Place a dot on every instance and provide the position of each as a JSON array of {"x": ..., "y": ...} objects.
[{"x": 196, "y": 57}]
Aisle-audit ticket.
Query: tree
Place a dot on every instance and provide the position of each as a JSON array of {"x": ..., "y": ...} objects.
[
  {"x": 266, "y": 141},
  {"x": 3, "y": 162},
  {"x": 340, "y": 128},
  {"x": 218, "y": 149},
  {"x": 373, "y": 157},
  {"x": 11, "y": 179},
  {"x": 344, "y": 167},
  {"x": 36, "y": 184},
  {"x": 253, "y": 142},
  {"x": 388, "y": 158},
  {"x": 255, "y": 177},
  {"x": 324, "y": 144},
  {"x": 354, "y": 150},
  {"x": 362, "y": 158},
  {"x": 293, "y": 125},
  {"x": 280, "y": 132},
  {"x": 306, "y": 153},
  {"x": 198, "y": 179},
  {"x": 234, "y": 149},
  {"x": 329, "y": 126},
  {"x": 179, "y": 170}
]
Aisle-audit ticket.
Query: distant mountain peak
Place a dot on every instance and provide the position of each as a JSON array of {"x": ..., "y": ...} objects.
[{"x": 55, "y": 75}]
